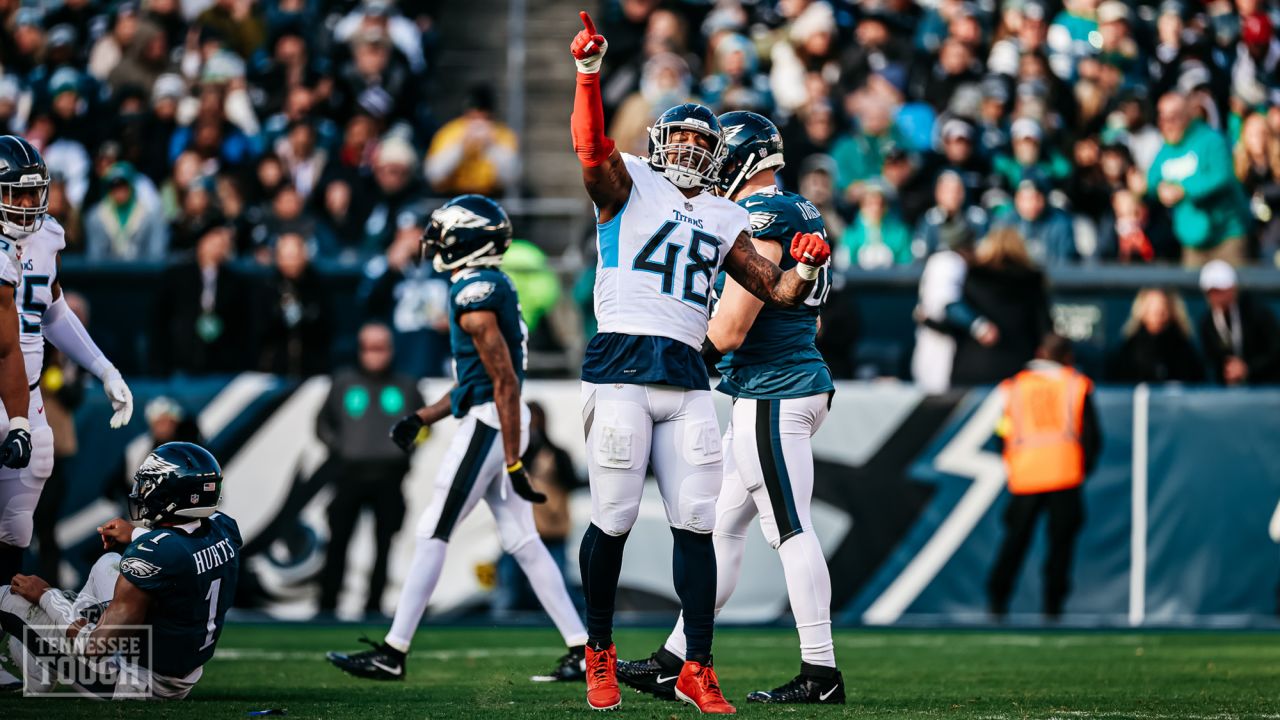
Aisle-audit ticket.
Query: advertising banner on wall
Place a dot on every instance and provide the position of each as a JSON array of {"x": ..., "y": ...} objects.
[{"x": 1181, "y": 526}]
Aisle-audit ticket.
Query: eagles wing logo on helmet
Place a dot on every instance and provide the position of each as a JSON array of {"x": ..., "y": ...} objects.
[
  {"x": 457, "y": 216},
  {"x": 139, "y": 568},
  {"x": 156, "y": 465},
  {"x": 731, "y": 131}
]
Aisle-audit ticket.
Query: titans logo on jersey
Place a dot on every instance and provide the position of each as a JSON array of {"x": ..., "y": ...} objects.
[
  {"x": 483, "y": 289},
  {"x": 35, "y": 261},
  {"x": 778, "y": 358},
  {"x": 191, "y": 578}
]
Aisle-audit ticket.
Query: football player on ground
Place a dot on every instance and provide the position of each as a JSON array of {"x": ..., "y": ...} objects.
[
  {"x": 781, "y": 389},
  {"x": 663, "y": 238},
  {"x": 30, "y": 242},
  {"x": 468, "y": 237},
  {"x": 177, "y": 575}
]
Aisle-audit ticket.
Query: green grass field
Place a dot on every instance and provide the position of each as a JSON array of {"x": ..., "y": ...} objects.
[{"x": 477, "y": 672}]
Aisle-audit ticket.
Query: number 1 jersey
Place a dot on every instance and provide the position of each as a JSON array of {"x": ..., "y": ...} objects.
[{"x": 659, "y": 257}]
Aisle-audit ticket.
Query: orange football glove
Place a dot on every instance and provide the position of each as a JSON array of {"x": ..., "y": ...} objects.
[
  {"x": 811, "y": 251},
  {"x": 588, "y": 47}
]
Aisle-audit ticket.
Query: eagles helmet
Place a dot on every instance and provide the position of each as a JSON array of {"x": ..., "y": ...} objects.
[
  {"x": 24, "y": 187},
  {"x": 752, "y": 144},
  {"x": 467, "y": 231},
  {"x": 686, "y": 164},
  {"x": 177, "y": 480}
]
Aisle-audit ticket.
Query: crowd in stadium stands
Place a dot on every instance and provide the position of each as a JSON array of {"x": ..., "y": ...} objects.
[{"x": 285, "y": 131}]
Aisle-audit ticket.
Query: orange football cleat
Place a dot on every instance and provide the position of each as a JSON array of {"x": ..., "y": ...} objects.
[
  {"x": 699, "y": 687},
  {"x": 602, "y": 679}
]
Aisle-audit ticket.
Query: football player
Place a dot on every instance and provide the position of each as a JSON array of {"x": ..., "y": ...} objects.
[
  {"x": 663, "y": 238},
  {"x": 781, "y": 387},
  {"x": 177, "y": 575},
  {"x": 467, "y": 237},
  {"x": 31, "y": 243}
]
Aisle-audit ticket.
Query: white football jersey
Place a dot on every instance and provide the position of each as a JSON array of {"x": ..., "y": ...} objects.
[
  {"x": 35, "y": 262},
  {"x": 659, "y": 258}
]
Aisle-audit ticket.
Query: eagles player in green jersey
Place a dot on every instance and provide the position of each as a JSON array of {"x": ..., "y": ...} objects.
[
  {"x": 177, "y": 575},
  {"x": 781, "y": 387},
  {"x": 467, "y": 238}
]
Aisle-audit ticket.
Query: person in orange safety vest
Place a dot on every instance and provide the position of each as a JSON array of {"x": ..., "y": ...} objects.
[{"x": 1051, "y": 443}]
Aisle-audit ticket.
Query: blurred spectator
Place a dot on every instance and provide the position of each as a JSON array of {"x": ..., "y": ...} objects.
[
  {"x": 1257, "y": 166},
  {"x": 1051, "y": 440},
  {"x": 412, "y": 298},
  {"x": 202, "y": 312},
  {"x": 736, "y": 82},
  {"x": 124, "y": 225},
  {"x": 296, "y": 318},
  {"x": 474, "y": 153},
  {"x": 1157, "y": 342},
  {"x": 808, "y": 48},
  {"x": 238, "y": 22},
  {"x": 375, "y": 80},
  {"x": 949, "y": 210},
  {"x": 398, "y": 190},
  {"x": 1240, "y": 336},
  {"x": 1191, "y": 175},
  {"x": 109, "y": 50},
  {"x": 665, "y": 83},
  {"x": 809, "y": 132},
  {"x": 62, "y": 389},
  {"x": 1132, "y": 234},
  {"x": 1030, "y": 155},
  {"x": 363, "y": 403},
  {"x": 1071, "y": 35},
  {"x": 551, "y": 473},
  {"x": 959, "y": 155},
  {"x": 859, "y": 155},
  {"x": 940, "y": 314},
  {"x": 146, "y": 57},
  {"x": 1005, "y": 307},
  {"x": 61, "y": 209},
  {"x": 953, "y": 67},
  {"x": 817, "y": 183},
  {"x": 303, "y": 160},
  {"x": 197, "y": 212},
  {"x": 1049, "y": 239},
  {"x": 878, "y": 237},
  {"x": 161, "y": 124}
]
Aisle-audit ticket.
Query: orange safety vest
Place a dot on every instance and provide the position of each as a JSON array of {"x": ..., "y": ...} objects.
[{"x": 1043, "y": 416}]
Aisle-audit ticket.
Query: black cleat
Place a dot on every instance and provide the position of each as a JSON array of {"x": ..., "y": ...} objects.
[
  {"x": 655, "y": 675},
  {"x": 571, "y": 667},
  {"x": 383, "y": 662},
  {"x": 815, "y": 685}
]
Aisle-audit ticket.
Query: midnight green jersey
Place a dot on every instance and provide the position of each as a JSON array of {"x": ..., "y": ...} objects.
[
  {"x": 778, "y": 358},
  {"x": 191, "y": 578},
  {"x": 482, "y": 289}
]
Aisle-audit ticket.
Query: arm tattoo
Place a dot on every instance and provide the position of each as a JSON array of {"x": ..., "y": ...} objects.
[{"x": 763, "y": 278}]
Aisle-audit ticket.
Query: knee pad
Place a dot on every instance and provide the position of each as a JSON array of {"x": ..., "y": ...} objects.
[
  {"x": 697, "y": 503},
  {"x": 615, "y": 518},
  {"x": 41, "y": 452}
]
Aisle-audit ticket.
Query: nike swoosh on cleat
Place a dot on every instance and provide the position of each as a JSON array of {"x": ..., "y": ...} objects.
[
  {"x": 829, "y": 693},
  {"x": 665, "y": 679},
  {"x": 384, "y": 668}
]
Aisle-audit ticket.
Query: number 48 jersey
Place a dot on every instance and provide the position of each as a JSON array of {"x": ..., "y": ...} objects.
[{"x": 659, "y": 257}]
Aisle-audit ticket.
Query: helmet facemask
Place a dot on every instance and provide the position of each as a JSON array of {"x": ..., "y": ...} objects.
[
  {"x": 686, "y": 164},
  {"x": 17, "y": 220}
]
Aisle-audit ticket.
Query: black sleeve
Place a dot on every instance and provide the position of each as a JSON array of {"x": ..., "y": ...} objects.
[
  {"x": 327, "y": 420},
  {"x": 1264, "y": 361},
  {"x": 1213, "y": 352},
  {"x": 1090, "y": 435}
]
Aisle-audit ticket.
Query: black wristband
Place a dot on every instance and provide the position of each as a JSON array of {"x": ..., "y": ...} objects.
[{"x": 710, "y": 353}]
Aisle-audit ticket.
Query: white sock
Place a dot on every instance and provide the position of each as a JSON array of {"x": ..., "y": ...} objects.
[
  {"x": 548, "y": 584},
  {"x": 424, "y": 573},
  {"x": 809, "y": 587},
  {"x": 729, "y": 552}
]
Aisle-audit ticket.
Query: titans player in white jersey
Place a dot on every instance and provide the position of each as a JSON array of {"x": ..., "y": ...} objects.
[
  {"x": 663, "y": 238},
  {"x": 781, "y": 389},
  {"x": 31, "y": 242}
]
